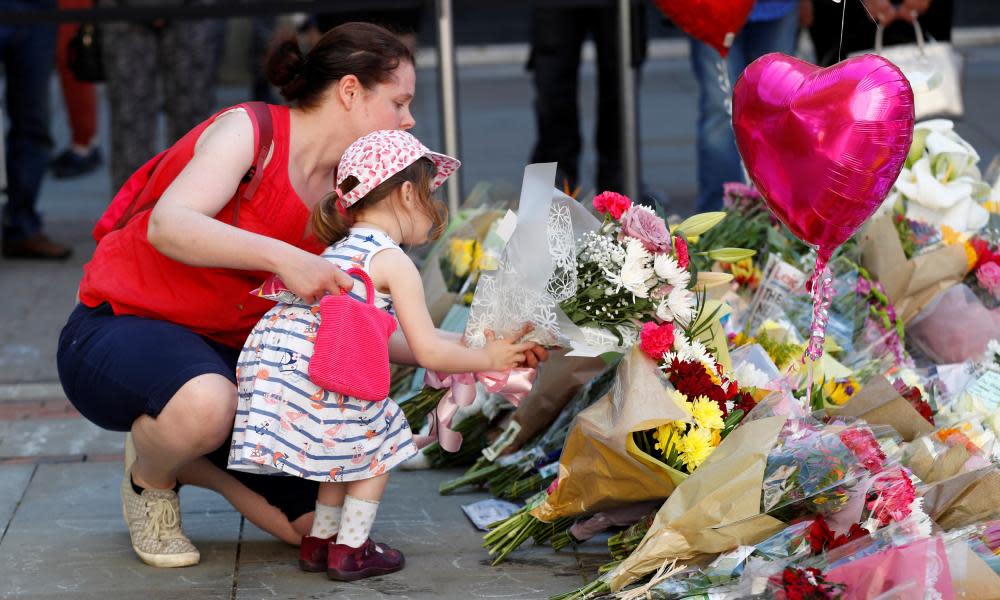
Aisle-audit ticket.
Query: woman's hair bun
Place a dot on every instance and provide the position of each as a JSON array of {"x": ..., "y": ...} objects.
[{"x": 284, "y": 67}]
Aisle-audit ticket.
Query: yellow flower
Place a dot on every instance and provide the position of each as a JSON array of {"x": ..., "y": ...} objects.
[
  {"x": 993, "y": 206},
  {"x": 695, "y": 447},
  {"x": 707, "y": 414},
  {"x": 971, "y": 258},
  {"x": 839, "y": 391},
  {"x": 477, "y": 256},
  {"x": 716, "y": 437},
  {"x": 460, "y": 255},
  {"x": 666, "y": 438},
  {"x": 950, "y": 236}
]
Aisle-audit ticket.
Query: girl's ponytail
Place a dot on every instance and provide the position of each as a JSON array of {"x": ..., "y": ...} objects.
[{"x": 331, "y": 222}]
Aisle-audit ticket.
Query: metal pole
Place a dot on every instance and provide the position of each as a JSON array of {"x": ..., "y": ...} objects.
[
  {"x": 629, "y": 120},
  {"x": 448, "y": 92}
]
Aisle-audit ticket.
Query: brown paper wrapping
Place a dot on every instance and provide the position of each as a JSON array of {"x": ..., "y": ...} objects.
[
  {"x": 910, "y": 284},
  {"x": 715, "y": 509},
  {"x": 879, "y": 403},
  {"x": 559, "y": 379},
  {"x": 964, "y": 499},
  {"x": 596, "y": 471}
]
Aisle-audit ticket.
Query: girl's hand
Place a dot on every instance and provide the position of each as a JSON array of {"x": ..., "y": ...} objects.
[
  {"x": 310, "y": 277},
  {"x": 505, "y": 354},
  {"x": 537, "y": 354}
]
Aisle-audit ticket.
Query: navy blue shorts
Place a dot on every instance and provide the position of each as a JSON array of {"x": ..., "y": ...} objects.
[{"x": 114, "y": 369}]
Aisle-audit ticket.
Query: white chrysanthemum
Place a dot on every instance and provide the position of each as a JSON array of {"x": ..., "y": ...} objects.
[
  {"x": 689, "y": 350},
  {"x": 678, "y": 306},
  {"x": 637, "y": 270},
  {"x": 668, "y": 269}
]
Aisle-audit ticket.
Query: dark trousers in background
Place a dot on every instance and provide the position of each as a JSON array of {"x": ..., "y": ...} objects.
[
  {"x": 80, "y": 97},
  {"x": 859, "y": 30},
  {"x": 169, "y": 66},
  {"x": 28, "y": 54},
  {"x": 557, "y": 40}
]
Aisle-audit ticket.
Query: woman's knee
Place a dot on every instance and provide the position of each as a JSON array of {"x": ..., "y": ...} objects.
[{"x": 203, "y": 411}]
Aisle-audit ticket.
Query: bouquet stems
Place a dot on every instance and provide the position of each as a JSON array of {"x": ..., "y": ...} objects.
[
  {"x": 472, "y": 429},
  {"x": 476, "y": 475},
  {"x": 506, "y": 536},
  {"x": 521, "y": 487},
  {"x": 625, "y": 542},
  {"x": 417, "y": 407},
  {"x": 563, "y": 539},
  {"x": 593, "y": 589}
]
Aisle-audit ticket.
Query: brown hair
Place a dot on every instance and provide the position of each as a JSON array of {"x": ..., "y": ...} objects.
[
  {"x": 369, "y": 52},
  {"x": 329, "y": 226}
]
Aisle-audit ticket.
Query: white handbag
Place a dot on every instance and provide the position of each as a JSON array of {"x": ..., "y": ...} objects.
[{"x": 934, "y": 70}]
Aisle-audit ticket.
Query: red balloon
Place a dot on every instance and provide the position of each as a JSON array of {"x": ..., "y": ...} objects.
[
  {"x": 715, "y": 22},
  {"x": 823, "y": 146}
]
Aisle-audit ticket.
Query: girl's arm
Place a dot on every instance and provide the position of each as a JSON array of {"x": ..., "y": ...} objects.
[
  {"x": 399, "y": 348},
  {"x": 182, "y": 224},
  {"x": 394, "y": 271}
]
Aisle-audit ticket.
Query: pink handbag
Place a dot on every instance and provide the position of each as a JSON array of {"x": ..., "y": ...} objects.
[{"x": 351, "y": 354}]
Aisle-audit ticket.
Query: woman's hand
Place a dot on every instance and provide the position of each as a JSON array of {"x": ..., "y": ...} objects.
[
  {"x": 909, "y": 10},
  {"x": 310, "y": 277}
]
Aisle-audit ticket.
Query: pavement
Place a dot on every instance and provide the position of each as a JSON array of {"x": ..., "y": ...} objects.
[{"x": 61, "y": 532}]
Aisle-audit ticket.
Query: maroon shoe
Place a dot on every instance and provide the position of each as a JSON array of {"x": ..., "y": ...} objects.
[
  {"x": 344, "y": 563},
  {"x": 312, "y": 553}
]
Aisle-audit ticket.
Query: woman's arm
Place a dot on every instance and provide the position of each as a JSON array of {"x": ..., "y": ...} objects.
[{"x": 182, "y": 224}]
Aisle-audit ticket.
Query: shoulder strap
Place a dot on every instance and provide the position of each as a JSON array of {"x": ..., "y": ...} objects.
[{"x": 263, "y": 135}]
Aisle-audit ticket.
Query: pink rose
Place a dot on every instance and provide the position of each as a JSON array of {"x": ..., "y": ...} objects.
[
  {"x": 643, "y": 224},
  {"x": 681, "y": 249},
  {"x": 613, "y": 203},
  {"x": 656, "y": 340},
  {"x": 988, "y": 276}
]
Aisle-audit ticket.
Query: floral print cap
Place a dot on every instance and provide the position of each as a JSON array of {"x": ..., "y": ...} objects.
[{"x": 381, "y": 154}]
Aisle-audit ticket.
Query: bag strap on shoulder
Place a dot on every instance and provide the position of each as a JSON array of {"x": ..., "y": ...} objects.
[{"x": 263, "y": 135}]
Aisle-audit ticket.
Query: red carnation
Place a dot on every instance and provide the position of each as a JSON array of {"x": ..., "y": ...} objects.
[
  {"x": 681, "y": 248},
  {"x": 612, "y": 203},
  {"x": 656, "y": 340}
]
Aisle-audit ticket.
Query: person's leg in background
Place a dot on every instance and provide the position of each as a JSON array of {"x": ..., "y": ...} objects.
[
  {"x": 80, "y": 98},
  {"x": 763, "y": 37},
  {"x": 717, "y": 157},
  {"x": 604, "y": 24},
  {"x": 28, "y": 54},
  {"x": 130, "y": 67},
  {"x": 556, "y": 41},
  {"x": 190, "y": 53}
]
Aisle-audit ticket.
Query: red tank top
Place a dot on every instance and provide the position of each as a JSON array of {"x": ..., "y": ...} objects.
[{"x": 136, "y": 279}]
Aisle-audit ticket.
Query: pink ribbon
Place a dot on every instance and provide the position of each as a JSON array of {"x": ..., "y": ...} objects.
[{"x": 513, "y": 384}]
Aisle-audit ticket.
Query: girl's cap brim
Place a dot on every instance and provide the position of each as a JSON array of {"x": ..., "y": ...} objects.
[{"x": 445, "y": 165}]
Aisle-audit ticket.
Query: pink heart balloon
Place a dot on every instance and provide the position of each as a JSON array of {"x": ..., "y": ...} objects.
[{"x": 824, "y": 146}]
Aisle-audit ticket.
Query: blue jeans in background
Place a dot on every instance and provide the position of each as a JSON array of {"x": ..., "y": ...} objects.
[
  {"x": 718, "y": 159},
  {"x": 27, "y": 53}
]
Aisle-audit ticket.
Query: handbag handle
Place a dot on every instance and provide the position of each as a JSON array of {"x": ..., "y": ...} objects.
[
  {"x": 916, "y": 28},
  {"x": 365, "y": 279}
]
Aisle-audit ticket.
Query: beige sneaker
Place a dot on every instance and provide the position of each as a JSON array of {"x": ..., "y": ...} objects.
[{"x": 154, "y": 523}]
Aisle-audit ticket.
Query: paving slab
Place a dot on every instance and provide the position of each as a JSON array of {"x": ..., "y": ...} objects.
[
  {"x": 57, "y": 437},
  {"x": 13, "y": 481},
  {"x": 68, "y": 540},
  {"x": 444, "y": 555}
]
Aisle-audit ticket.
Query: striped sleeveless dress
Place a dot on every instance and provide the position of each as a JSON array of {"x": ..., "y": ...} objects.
[{"x": 285, "y": 424}]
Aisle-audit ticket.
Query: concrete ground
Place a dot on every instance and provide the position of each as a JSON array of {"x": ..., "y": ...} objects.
[{"x": 61, "y": 532}]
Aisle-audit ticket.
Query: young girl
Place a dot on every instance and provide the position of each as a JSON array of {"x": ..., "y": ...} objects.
[{"x": 285, "y": 423}]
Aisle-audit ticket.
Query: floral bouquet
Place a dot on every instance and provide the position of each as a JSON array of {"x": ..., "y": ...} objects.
[
  {"x": 587, "y": 284},
  {"x": 940, "y": 183},
  {"x": 770, "y": 470}
]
